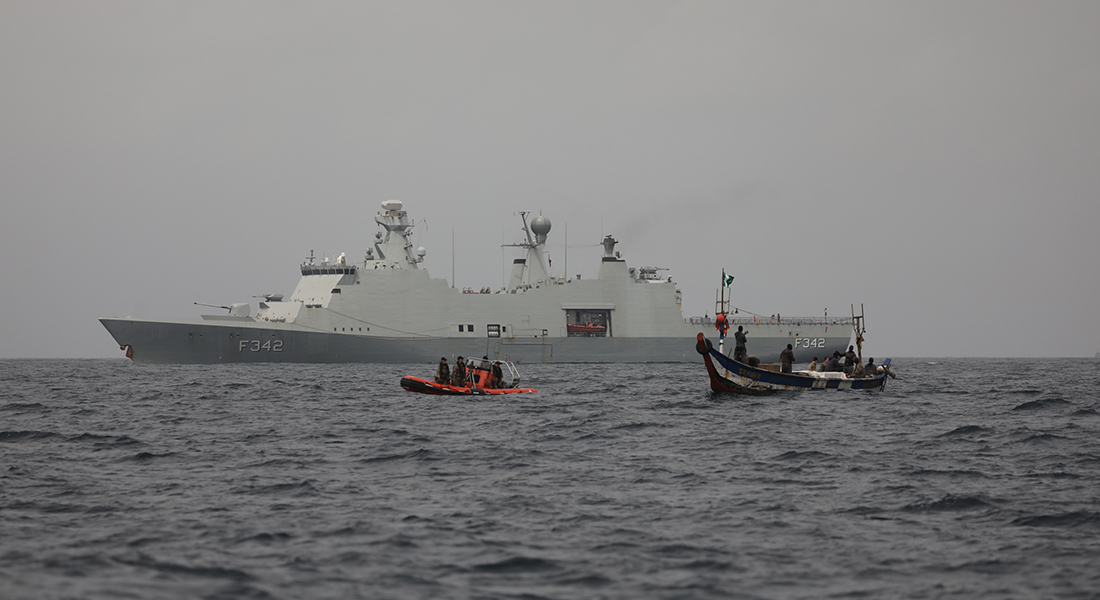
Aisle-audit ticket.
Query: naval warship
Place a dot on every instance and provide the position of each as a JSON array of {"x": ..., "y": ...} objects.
[{"x": 387, "y": 309}]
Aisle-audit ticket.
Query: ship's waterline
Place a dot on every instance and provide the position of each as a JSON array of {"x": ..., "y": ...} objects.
[{"x": 388, "y": 309}]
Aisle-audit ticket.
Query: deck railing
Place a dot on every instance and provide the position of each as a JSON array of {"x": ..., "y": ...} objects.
[{"x": 734, "y": 321}]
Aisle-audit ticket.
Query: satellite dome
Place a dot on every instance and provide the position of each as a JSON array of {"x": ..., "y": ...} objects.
[{"x": 540, "y": 225}]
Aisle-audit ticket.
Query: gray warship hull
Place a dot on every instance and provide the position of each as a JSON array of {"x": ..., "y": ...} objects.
[
  {"x": 202, "y": 342},
  {"x": 389, "y": 310}
]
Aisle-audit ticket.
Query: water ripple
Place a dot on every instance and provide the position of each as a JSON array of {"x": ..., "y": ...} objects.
[{"x": 964, "y": 478}]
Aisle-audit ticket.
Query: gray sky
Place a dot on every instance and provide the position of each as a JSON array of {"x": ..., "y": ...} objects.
[{"x": 938, "y": 162}]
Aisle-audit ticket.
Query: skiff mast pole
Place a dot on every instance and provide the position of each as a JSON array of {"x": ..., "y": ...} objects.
[
  {"x": 858, "y": 325},
  {"x": 721, "y": 306}
]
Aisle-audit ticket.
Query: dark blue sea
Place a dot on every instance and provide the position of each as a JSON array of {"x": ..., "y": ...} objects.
[{"x": 965, "y": 478}]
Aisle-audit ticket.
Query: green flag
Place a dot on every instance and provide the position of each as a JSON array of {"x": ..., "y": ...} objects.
[{"x": 727, "y": 279}]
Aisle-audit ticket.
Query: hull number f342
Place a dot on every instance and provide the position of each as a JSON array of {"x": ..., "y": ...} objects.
[
  {"x": 258, "y": 346},
  {"x": 809, "y": 343}
]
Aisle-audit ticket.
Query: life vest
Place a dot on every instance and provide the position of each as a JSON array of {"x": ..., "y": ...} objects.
[{"x": 721, "y": 324}]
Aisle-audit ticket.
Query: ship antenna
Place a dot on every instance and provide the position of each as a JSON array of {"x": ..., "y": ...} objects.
[{"x": 523, "y": 217}]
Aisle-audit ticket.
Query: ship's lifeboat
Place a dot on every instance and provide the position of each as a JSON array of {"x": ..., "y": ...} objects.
[{"x": 585, "y": 328}]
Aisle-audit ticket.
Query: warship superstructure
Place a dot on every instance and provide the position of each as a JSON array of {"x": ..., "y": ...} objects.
[{"x": 387, "y": 309}]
